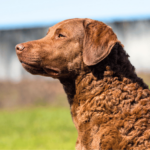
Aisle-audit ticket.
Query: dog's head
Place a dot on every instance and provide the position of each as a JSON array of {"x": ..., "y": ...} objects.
[{"x": 66, "y": 46}]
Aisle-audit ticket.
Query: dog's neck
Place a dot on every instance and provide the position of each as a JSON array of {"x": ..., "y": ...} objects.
[
  {"x": 116, "y": 64},
  {"x": 77, "y": 89}
]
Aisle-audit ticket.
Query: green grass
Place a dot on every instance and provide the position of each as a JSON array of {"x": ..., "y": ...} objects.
[{"x": 37, "y": 129}]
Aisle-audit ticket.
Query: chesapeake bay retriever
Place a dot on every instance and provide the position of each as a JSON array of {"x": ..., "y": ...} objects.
[{"x": 110, "y": 105}]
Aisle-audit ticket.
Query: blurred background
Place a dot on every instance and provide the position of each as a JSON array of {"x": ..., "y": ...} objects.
[{"x": 34, "y": 112}]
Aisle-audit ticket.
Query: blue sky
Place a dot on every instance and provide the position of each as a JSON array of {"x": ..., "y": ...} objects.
[{"x": 31, "y": 13}]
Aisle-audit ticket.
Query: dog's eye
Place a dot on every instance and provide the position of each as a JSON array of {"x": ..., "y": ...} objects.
[{"x": 60, "y": 35}]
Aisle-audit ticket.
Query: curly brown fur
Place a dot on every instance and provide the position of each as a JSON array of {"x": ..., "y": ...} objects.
[{"x": 110, "y": 104}]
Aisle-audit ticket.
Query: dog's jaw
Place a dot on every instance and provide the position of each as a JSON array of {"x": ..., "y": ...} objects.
[{"x": 35, "y": 70}]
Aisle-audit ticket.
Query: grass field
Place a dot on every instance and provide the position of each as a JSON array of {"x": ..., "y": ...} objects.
[{"x": 37, "y": 129}]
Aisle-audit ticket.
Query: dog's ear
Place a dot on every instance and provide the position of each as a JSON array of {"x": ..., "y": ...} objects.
[{"x": 98, "y": 41}]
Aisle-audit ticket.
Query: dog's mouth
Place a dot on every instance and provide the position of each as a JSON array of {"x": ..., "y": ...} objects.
[
  {"x": 38, "y": 70},
  {"x": 51, "y": 71},
  {"x": 33, "y": 68}
]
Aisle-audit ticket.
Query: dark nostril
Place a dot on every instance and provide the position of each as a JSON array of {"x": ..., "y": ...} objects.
[{"x": 19, "y": 47}]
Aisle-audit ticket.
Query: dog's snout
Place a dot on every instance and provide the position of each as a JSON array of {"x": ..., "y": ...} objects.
[{"x": 19, "y": 47}]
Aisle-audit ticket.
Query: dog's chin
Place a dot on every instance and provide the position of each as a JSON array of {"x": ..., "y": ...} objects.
[{"x": 35, "y": 70}]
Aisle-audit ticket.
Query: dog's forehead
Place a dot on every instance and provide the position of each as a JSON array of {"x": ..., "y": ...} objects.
[{"x": 68, "y": 24}]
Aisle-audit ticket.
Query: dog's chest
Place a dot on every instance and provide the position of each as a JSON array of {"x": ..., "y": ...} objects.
[{"x": 99, "y": 109}]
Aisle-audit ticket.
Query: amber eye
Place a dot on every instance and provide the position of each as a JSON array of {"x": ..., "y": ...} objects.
[{"x": 60, "y": 35}]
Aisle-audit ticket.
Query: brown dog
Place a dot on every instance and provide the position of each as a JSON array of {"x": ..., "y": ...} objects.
[{"x": 110, "y": 105}]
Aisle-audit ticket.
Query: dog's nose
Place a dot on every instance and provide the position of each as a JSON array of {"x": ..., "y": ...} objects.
[{"x": 19, "y": 47}]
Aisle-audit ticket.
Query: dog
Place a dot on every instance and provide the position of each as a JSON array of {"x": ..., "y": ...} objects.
[{"x": 110, "y": 104}]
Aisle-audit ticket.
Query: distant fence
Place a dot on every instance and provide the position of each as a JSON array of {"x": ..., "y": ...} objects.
[{"x": 134, "y": 35}]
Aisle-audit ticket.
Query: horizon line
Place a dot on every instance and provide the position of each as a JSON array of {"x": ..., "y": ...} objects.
[{"x": 42, "y": 24}]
